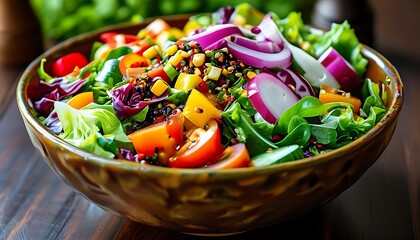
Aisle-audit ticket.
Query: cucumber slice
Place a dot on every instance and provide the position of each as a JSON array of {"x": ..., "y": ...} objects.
[{"x": 279, "y": 155}]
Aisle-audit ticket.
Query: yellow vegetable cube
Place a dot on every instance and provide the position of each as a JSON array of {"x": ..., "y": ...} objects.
[
  {"x": 199, "y": 110},
  {"x": 151, "y": 52},
  {"x": 187, "y": 82},
  {"x": 214, "y": 73},
  {"x": 176, "y": 59},
  {"x": 159, "y": 87},
  {"x": 171, "y": 50}
]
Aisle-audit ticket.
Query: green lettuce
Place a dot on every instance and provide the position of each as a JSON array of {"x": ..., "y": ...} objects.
[
  {"x": 341, "y": 37},
  {"x": 95, "y": 130}
]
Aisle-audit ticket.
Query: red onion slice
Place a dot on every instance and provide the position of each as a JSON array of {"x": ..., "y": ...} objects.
[
  {"x": 340, "y": 69},
  {"x": 270, "y": 96},
  {"x": 260, "y": 59},
  {"x": 268, "y": 29},
  {"x": 300, "y": 85},
  {"x": 261, "y": 46},
  {"x": 213, "y": 34}
]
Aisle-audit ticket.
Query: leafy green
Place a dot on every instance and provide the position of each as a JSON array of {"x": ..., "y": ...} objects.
[
  {"x": 118, "y": 52},
  {"x": 299, "y": 132},
  {"x": 341, "y": 37},
  {"x": 371, "y": 96},
  {"x": 95, "y": 130},
  {"x": 254, "y": 135},
  {"x": 177, "y": 96},
  {"x": 306, "y": 107},
  {"x": 337, "y": 124},
  {"x": 41, "y": 72},
  {"x": 140, "y": 117}
]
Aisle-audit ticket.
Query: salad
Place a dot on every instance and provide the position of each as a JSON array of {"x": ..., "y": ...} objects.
[{"x": 233, "y": 88}]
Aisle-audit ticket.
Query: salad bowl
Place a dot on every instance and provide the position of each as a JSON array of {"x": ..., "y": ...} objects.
[{"x": 206, "y": 201}]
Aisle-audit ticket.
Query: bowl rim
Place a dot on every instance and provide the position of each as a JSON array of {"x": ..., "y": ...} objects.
[{"x": 27, "y": 113}]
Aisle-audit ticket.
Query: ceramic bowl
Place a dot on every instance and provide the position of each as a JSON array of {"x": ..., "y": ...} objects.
[{"x": 204, "y": 201}]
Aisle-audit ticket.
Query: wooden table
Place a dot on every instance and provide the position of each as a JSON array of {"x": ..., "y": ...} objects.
[{"x": 383, "y": 204}]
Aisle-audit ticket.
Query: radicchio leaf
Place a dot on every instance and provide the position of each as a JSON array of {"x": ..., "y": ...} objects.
[
  {"x": 43, "y": 95},
  {"x": 127, "y": 102}
]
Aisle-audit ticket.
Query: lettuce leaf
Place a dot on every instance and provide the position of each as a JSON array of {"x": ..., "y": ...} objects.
[
  {"x": 341, "y": 36},
  {"x": 95, "y": 130}
]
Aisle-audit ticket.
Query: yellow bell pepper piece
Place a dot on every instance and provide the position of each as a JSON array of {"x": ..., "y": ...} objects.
[
  {"x": 187, "y": 82},
  {"x": 199, "y": 110},
  {"x": 159, "y": 87}
]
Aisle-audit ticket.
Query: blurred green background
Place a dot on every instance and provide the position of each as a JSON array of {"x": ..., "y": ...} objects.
[{"x": 62, "y": 19}]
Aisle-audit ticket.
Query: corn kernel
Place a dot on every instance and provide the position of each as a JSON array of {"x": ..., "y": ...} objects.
[
  {"x": 250, "y": 74},
  {"x": 197, "y": 71},
  {"x": 171, "y": 50},
  {"x": 159, "y": 87},
  {"x": 151, "y": 52},
  {"x": 225, "y": 72},
  {"x": 176, "y": 59},
  {"x": 198, "y": 59},
  {"x": 184, "y": 54},
  {"x": 214, "y": 73}
]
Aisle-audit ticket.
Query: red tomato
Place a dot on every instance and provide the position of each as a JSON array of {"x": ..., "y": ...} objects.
[
  {"x": 202, "y": 87},
  {"x": 139, "y": 46},
  {"x": 113, "y": 37},
  {"x": 202, "y": 146},
  {"x": 162, "y": 138},
  {"x": 158, "y": 72},
  {"x": 67, "y": 63},
  {"x": 132, "y": 60},
  {"x": 175, "y": 127},
  {"x": 235, "y": 156}
]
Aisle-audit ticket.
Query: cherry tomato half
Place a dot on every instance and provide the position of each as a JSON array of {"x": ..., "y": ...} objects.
[
  {"x": 67, "y": 63},
  {"x": 202, "y": 146},
  {"x": 235, "y": 156},
  {"x": 162, "y": 138}
]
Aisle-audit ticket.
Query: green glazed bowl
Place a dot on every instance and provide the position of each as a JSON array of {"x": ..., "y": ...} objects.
[{"x": 204, "y": 201}]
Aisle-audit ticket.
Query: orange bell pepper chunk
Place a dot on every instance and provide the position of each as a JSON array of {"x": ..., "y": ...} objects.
[{"x": 81, "y": 100}]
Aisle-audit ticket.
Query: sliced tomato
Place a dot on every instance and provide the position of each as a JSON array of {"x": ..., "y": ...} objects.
[
  {"x": 139, "y": 46},
  {"x": 114, "y": 38},
  {"x": 132, "y": 60},
  {"x": 202, "y": 147},
  {"x": 161, "y": 138},
  {"x": 175, "y": 127},
  {"x": 158, "y": 72},
  {"x": 67, "y": 63},
  {"x": 235, "y": 156}
]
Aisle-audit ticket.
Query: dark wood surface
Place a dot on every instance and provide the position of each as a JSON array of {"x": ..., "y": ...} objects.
[{"x": 383, "y": 204}]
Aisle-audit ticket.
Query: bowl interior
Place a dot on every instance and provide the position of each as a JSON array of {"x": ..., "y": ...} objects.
[{"x": 294, "y": 181}]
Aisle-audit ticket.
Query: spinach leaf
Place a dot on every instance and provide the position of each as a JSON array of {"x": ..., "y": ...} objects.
[
  {"x": 110, "y": 73},
  {"x": 299, "y": 132},
  {"x": 253, "y": 135},
  {"x": 306, "y": 107}
]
